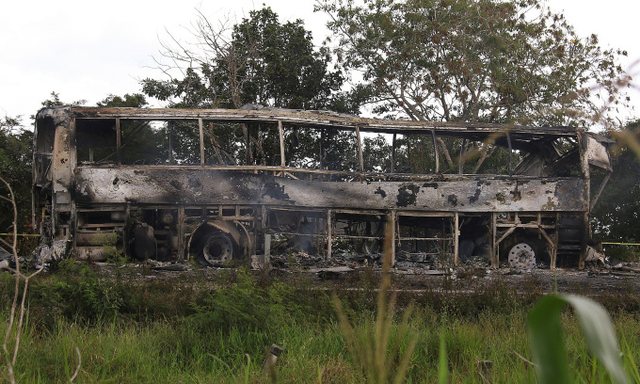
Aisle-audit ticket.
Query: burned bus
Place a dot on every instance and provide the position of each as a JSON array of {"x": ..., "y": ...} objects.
[{"x": 221, "y": 186}]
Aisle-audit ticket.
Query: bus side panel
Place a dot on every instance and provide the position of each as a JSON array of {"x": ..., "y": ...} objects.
[{"x": 147, "y": 185}]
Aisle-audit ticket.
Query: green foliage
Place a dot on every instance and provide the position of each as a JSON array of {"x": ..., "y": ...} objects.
[
  {"x": 15, "y": 167},
  {"x": 464, "y": 60},
  {"x": 283, "y": 68},
  {"x": 55, "y": 101},
  {"x": 81, "y": 295},
  {"x": 169, "y": 351},
  {"x": 167, "y": 331},
  {"x": 617, "y": 214},
  {"x": 617, "y": 253},
  {"x": 136, "y": 100},
  {"x": 244, "y": 305},
  {"x": 548, "y": 347},
  {"x": 381, "y": 351},
  {"x": 443, "y": 369},
  {"x": 263, "y": 61}
]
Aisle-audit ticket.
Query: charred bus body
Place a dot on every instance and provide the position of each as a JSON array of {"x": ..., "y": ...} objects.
[{"x": 221, "y": 185}]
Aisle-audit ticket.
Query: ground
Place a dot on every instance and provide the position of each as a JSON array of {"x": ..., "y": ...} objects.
[
  {"x": 596, "y": 281},
  {"x": 168, "y": 323}
]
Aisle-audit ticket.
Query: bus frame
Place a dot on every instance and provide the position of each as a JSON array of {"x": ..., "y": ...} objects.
[{"x": 222, "y": 213}]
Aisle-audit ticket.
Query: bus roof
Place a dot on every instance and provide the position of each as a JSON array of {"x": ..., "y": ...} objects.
[{"x": 307, "y": 118}]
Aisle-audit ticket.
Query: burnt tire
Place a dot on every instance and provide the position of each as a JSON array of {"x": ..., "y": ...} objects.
[
  {"x": 215, "y": 249},
  {"x": 525, "y": 251},
  {"x": 522, "y": 256}
]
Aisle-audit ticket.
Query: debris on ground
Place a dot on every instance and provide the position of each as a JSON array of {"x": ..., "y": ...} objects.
[
  {"x": 594, "y": 255},
  {"x": 626, "y": 268},
  {"x": 177, "y": 267}
]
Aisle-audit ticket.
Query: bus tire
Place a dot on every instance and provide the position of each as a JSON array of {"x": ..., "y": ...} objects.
[{"x": 215, "y": 249}]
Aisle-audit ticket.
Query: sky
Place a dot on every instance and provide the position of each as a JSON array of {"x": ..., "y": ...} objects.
[{"x": 86, "y": 50}]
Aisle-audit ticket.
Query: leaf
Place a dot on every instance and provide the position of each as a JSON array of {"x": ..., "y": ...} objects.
[
  {"x": 443, "y": 369},
  {"x": 547, "y": 342}
]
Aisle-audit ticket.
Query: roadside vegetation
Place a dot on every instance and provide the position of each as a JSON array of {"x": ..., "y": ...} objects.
[{"x": 165, "y": 332}]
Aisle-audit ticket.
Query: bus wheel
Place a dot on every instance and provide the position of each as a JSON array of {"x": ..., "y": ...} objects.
[
  {"x": 522, "y": 256},
  {"x": 216, "y": 249}
]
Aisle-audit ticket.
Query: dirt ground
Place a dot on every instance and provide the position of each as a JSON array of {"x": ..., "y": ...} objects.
[{"x": 596, "y": 281}]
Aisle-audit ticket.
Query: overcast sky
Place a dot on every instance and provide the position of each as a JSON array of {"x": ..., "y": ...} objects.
[{"x": 88, "y": 49}]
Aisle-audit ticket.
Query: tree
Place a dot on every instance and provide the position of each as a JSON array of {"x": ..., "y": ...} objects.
[
  {"x": 260, "y": 61},
  {"x": 617, "y": 214},
  {"x": 54, "y": 101},
  {"x": 15, "y": 168},
  {"x": 475, "y": 60},
  {"x": 136, "y": 100}
]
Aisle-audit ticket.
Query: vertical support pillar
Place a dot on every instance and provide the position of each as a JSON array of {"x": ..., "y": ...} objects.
[
  {"x": 359, "y": 148},
  {"x": 456, "y": 236},
  {"x": 172, "y": 160},
  {"x": 201, "y": 138},
  {"x": 393, "y": 154},
  {"x": 261, "y": 235},
  {"x": 118, "y": 140},
  {"x": 283, "y": 162},
  {"x": 553, "y": 253},
  {"x": 435, "y": 150},
  {"x": 181, "y": 245},
  {"x": 461, "y": 157},
  {"x": 596, "y": 197},
  {"x": 390, "y": 239},
  {"x": 329, "y": 234},
  {"x": 510, "y": 163},
  {"x": 495, "y": 257},
  {"x": 73, "y": 225},
  {"x": 556, "y": 242},
  {"x": 586, "y": 192},
  {"x": 125, "y": 231},
  {"x": 34, "y": 224},
  {"x": 263, "y": 218},
  {"x": 267, "y": 249},
  {"x": 248, "y": 153},
  {"x": 322, "y": 149}
]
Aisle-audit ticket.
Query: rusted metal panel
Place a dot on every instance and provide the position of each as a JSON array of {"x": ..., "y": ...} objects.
[
  {"x": 597, "y": 154},
  {"x": 63, "y": 163},
  {"x": 310, "y": 118},
  {"x": 154, "y": 185}
]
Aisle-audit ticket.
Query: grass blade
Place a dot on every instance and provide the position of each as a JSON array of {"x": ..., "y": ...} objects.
[
  {"x": 545, "y": 330},
  {"x": 443, "y": 369},
  {"x": 600, "y": 335},
  {"x": 547, "y": 342}
]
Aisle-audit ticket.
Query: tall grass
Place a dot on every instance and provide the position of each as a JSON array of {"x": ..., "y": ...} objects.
[
  {"x": 168, "y": 332},
  {"x": 381, "y": 350},
  {"x": 169, "y": 352}
]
